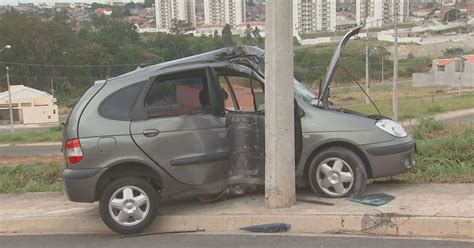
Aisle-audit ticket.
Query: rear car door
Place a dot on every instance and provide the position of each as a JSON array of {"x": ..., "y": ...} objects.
[{"x": 181, "y": 130}]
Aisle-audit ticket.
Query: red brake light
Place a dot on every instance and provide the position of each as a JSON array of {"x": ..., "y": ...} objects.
[{"x": 74, "y": 151}]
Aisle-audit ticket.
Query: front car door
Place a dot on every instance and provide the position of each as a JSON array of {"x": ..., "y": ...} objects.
[
  {"x": 181, "y": 130},
  {"x": 245, "y": 123}
]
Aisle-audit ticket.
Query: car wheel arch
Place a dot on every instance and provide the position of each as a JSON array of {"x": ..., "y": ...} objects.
[
  {"x": 128, "y": 169},
  {"x": 338, "y": 143}
]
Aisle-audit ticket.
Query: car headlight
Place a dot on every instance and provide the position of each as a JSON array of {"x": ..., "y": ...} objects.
[{"x": 392, "y": 128}]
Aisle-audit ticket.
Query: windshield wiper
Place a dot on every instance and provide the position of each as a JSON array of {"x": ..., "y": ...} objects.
[{"x": 367, "y": 95}]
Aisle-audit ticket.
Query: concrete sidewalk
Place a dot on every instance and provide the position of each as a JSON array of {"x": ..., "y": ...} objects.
[{"x": 430, "y": 210}]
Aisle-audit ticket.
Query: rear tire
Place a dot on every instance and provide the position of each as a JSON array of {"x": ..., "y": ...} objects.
[
  {"x": 128, "y": 205},
  {"x": 337, "y": 172}
]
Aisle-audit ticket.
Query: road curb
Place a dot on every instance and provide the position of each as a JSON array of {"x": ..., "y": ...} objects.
[{"x": 386, "y": 225}]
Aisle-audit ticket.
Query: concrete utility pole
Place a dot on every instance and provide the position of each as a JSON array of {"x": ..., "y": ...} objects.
[
  {"x": 280, "y": 189},
  {"x": 12, "y": 121},
  {"x": 395, "y": 72},
  {"x": 383, "y": 58},
  {"x": 52, "y": 87},
  {"x": 367, "y": 76},
  {"x": 367, "y": 86},
  {"x": 461, "y": 69}
]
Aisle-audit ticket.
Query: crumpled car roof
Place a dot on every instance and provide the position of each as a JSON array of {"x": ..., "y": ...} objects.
[{"x": 250, "y": 56}]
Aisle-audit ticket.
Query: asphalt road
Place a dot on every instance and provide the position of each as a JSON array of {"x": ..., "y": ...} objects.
[
  {"x": 18, "y": 151},
  {"x": 206, "y": 240},
  {"x": 466, "y": 118}
]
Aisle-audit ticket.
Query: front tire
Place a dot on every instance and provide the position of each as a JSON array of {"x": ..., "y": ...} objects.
[
  {"x": 128, "y": 205},
  {"x": 337, "y": 172}
]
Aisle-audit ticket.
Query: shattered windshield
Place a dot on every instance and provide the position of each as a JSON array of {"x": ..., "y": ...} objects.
[{"x": 303, "y": 93}]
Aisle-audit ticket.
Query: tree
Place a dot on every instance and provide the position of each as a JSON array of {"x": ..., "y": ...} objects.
[
  {"x": 453, "y": 52},
  {"x": 180, "y": 27},
  {"x": 248, "y": 39},
  {"x": 227, "y": 36},
  {"x": 117, "y": 12},
  {"x": 259, "y": 41},
  {"x": 149, "y": 3},
  {"x": 127, "y": 12}
]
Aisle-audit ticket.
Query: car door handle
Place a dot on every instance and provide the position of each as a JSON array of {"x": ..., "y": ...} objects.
[{"x": 151, "y": 132}]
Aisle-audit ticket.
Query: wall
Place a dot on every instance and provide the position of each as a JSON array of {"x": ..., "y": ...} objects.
[
  {"x": 448, "y": 77},
  {"x": 40, "y": 114}
]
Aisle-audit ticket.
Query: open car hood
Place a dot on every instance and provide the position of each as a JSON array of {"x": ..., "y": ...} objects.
[{"x": 333, "y": 65}]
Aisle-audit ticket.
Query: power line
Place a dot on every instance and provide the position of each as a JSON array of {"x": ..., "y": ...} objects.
[
  {"x": 70, "y": 66},
  {"x": 53, "y": 77}
]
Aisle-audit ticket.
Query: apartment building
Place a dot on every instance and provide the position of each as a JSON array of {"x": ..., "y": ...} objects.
[
  {"x": 221, "y": 12},
  {"x": 381, "y": 12},
  {"x": 167, "y": 10},
  {"x": 314, "y": 15}
]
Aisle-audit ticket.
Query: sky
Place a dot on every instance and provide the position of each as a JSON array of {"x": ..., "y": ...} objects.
[{"x": 15, "y": 2}]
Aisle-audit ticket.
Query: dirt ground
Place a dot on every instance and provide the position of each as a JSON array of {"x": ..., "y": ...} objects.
[{"x": 12, "y": 161}]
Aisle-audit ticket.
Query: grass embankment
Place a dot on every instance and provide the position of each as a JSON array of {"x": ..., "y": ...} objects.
[
  {"x": 444, "y": 154},
  {"x": 413, "y": 102},
  {"x": 38, "y": 177},
  {"x": 52, "y": 135},
  {"x": 416, "y": 108}
]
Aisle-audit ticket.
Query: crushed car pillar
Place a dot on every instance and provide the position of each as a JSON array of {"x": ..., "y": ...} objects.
[{"x": 279, "y": 113}]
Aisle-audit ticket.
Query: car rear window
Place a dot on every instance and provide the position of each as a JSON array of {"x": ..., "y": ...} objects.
[{"x": 119, "y": 105}]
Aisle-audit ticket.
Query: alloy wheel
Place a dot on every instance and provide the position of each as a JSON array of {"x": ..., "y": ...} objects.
[
  {"x": 334, "y": 177},
  {"x": 129, "y": 205}
]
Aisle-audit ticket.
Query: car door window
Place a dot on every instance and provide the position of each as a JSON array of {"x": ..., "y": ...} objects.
[
  {"x": 185, "y": 93},
  {"x": 242, "y": 92}
]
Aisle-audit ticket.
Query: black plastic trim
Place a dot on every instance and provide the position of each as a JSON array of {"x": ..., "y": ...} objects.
[
  {"x": 202, "y": 159},
  {"x": 393, "y": 149},
  {"x": 79, "y": 174}
]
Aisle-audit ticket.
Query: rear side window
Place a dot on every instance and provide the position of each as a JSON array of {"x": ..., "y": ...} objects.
[
  {"x": 180, "y": 94},
  {"x": 119, "y": 105}
]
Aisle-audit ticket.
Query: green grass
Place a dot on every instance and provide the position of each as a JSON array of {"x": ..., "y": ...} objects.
[
  {"x": 38, "y": 177},
  {"x": 425, "y": 126},
  {"x": 444, "y": 154},
  {"x": 52, "y": 135},
  {"x": 413, "y": 108}
]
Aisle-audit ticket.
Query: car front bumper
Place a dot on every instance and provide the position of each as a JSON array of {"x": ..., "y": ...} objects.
[
  {"x": 390, "y": 158},
  {"x": 80, "y": 185}
]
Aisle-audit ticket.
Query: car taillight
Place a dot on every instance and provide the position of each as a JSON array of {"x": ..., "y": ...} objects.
[{"x": 73, "y": 151}]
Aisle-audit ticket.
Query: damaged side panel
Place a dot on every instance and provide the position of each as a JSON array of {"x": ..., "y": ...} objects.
[{"x": 246, "y": 134}]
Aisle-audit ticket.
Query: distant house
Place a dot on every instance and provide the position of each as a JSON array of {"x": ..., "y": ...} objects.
[
  {"x": 453, "y": 72},
  {"x": 103, "y": 11},
  {"x": 29, "y": 106}
]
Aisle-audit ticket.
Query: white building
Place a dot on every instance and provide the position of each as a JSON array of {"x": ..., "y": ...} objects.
[
  {"x": 220, "y": 12},
  {"x": 381, "y": 12},
  {"x": 167, "y": 10},
  {"x": 314, "y": 15},
  {"x": 30, "y": 106}
]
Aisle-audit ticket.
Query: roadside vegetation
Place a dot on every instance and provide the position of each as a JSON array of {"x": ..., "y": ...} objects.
[
  {"x": 413, "y": 102},
  {"x": 444, "y": 154},
  {"x": 37, "y": 177},
  {"x": 51, "y": 135},
  {"x": 416, "y": 108}
]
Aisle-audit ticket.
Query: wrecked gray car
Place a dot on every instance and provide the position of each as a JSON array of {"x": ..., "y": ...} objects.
[{"x": 195, "y": 127}]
